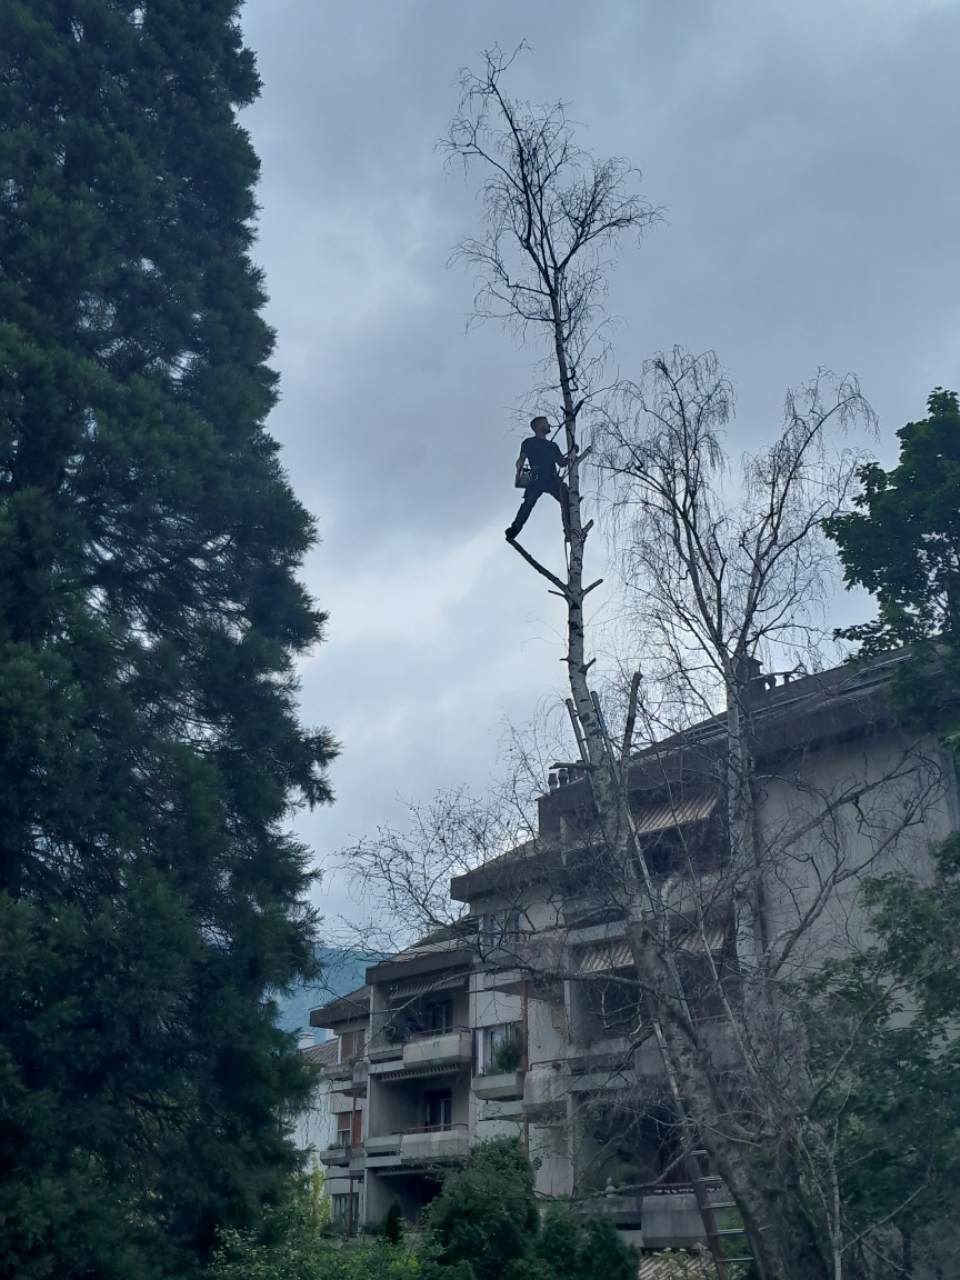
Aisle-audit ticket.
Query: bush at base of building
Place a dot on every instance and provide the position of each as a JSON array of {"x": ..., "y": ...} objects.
[
  {"x": 485, "y": 1225},
  {"x": 294, "y": 1243}
]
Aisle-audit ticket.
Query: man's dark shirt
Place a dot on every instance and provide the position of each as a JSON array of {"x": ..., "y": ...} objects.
[{"x": 543, "y": 456}]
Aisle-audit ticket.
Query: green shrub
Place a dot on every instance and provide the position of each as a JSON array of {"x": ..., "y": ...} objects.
[
  {"x": 486, "y": 1213},
  {"x": 485, "y": 1225},
  {"x": 293, "y": 1244},
  {"x": 393, "y": 1224}
]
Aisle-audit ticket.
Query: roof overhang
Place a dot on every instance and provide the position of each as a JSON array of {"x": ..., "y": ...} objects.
[
  {"x": 354, "y": 1007},
  {"x": 430, "y": 962}
]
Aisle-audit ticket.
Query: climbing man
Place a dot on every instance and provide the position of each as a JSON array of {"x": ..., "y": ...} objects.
[{"x": 543, "y": 457}]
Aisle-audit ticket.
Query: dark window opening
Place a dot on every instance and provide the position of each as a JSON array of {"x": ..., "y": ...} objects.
[
  {"x": 438, "y": 1016},
  {"x": 439, "y": 1109}
]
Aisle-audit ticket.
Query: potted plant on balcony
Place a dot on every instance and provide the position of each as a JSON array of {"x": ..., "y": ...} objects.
[
  {"x": 396, "y": 1032},
  {"x": 506, "y": 1056}
]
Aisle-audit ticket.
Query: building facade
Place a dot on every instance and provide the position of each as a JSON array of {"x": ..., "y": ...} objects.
[{"x": 522, "y": 1018}]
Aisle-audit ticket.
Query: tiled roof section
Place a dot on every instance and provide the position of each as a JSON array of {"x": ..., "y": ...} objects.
[
  {"x": 662, "y": 1265},
  {"x": 428, "y": 946},
  {"x": 524, "y": 863},
  {"x": 852, "y": 687},
  {"x": 792, "y": 717},
  {"x": 322, "y": 1055},
  {"x": 452, "y": 953}
]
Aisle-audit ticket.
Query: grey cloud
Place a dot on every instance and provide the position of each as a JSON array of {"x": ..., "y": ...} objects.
[{"x": 805, "y": 156}]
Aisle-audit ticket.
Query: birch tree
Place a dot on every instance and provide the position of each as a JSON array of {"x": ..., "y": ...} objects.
[{"x": 725, "y": 567}]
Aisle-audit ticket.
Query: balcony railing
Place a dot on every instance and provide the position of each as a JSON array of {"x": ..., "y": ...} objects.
[
  {"x": 667, "y": 1213},
  {"x": 435, "y": 1142},
  {"x": 439, "y": 1047},
  {"x": 421, "y": 1144},
  {"x": 339, "y": 1154},
  {"x": 349, "y": 1077},
  {"x": 499, "y": 1085}
]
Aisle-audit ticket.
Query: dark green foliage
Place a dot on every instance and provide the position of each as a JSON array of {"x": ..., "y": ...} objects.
[
  {"x": 393, "y": 1224},
  {"x": 883, "y": 1024},
  {"x": 586, "y": 1250},
  {"x": 486, "y": 1214},
  {"x": 485, "y": 1225},
  {"x": 149, "y": 620},
  {"x": 559, "y": 1240},
  {"x": 507, "y": 1056},
  {"x": 461, "y": 1270},
  {"x": 903, "y": 546},
  {"x": 292, "y": 1243},
  {"x": 885, "y": 1055},
  {"x": 602, "y": 1255}
]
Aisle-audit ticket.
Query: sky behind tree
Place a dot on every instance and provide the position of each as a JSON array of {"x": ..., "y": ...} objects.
[{"x": 805, "y": 160}]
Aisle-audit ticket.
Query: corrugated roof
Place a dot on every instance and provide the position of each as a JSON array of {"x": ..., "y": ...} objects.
[
  {"x": 662, "y": 817},
  {"x": 615, "y": 954},
  {"x": 424, "y": 986},
  {"x": 608, "y": 955},
  {"x": 418, "y": 1073}
]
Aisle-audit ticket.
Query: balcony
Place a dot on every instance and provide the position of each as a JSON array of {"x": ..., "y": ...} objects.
[
  {"x": 349, "y": 1077},
  {"x": 499, "y": 1086},
  {"x": 434, "y": 1143},
  {"x": 384, "y": 1147},
  {"x": 667, "y": 1215},
  {"x": 426, "y": 1054},
  {"x": 385, "y": 1046},
  {"x": 429, "y": 1144},
  {"x": 623, "y": 1209},
  {"x": 339, "y": 1155},
  {"x": 670, "y": 1218},
  {"x": 439, "y": 1048},
  {"x": 545, "y": 1096}
]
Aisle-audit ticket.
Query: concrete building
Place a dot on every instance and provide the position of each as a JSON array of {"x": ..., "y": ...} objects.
[
  {"x": 522, "y": 1019},
  {"x": 315, "y": 1128},
  {"x": 327, "y": 1130},
  {"x": 333, "y": 1128}
]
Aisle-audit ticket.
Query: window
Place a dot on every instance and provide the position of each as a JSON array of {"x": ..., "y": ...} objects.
[
  {"x": 499, "y": 1049},
  {"x": 499, "y": 929},
  {"x": 618, "y": 1007},
  {"x": 438, "y": 1016},
  {"x": 343, "y": 1129},
  {"x": 349, "y": 1126},
  {"x": 439, "y": 1109},
  {"x": 352, "y": 1045},
  {"x": 345, "y": 1211},
  {"x": 610, "y": 1005}
]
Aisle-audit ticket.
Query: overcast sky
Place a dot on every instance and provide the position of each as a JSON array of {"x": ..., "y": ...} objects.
[{"x": 806, "y": 159}]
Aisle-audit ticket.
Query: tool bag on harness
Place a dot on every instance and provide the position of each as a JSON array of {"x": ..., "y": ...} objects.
[{"x": 524, "y": 474}]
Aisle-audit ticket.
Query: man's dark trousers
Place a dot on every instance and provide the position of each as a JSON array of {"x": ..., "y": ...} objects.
[{"x": 532, "y": 494}]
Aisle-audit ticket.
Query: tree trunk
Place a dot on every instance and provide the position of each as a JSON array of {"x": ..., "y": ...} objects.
[{"x": 766, "y": 1192}]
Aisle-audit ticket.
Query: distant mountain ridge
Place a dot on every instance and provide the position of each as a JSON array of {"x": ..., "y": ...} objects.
[{"x": 343, "y": 971}]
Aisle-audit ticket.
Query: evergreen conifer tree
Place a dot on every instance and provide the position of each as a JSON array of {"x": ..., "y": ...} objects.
[{"x": 150, "y": 896}]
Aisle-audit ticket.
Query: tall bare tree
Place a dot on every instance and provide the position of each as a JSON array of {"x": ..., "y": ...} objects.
[
  {"x": 727, "y": 571},
  {"x": 713, "y": 582}
]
